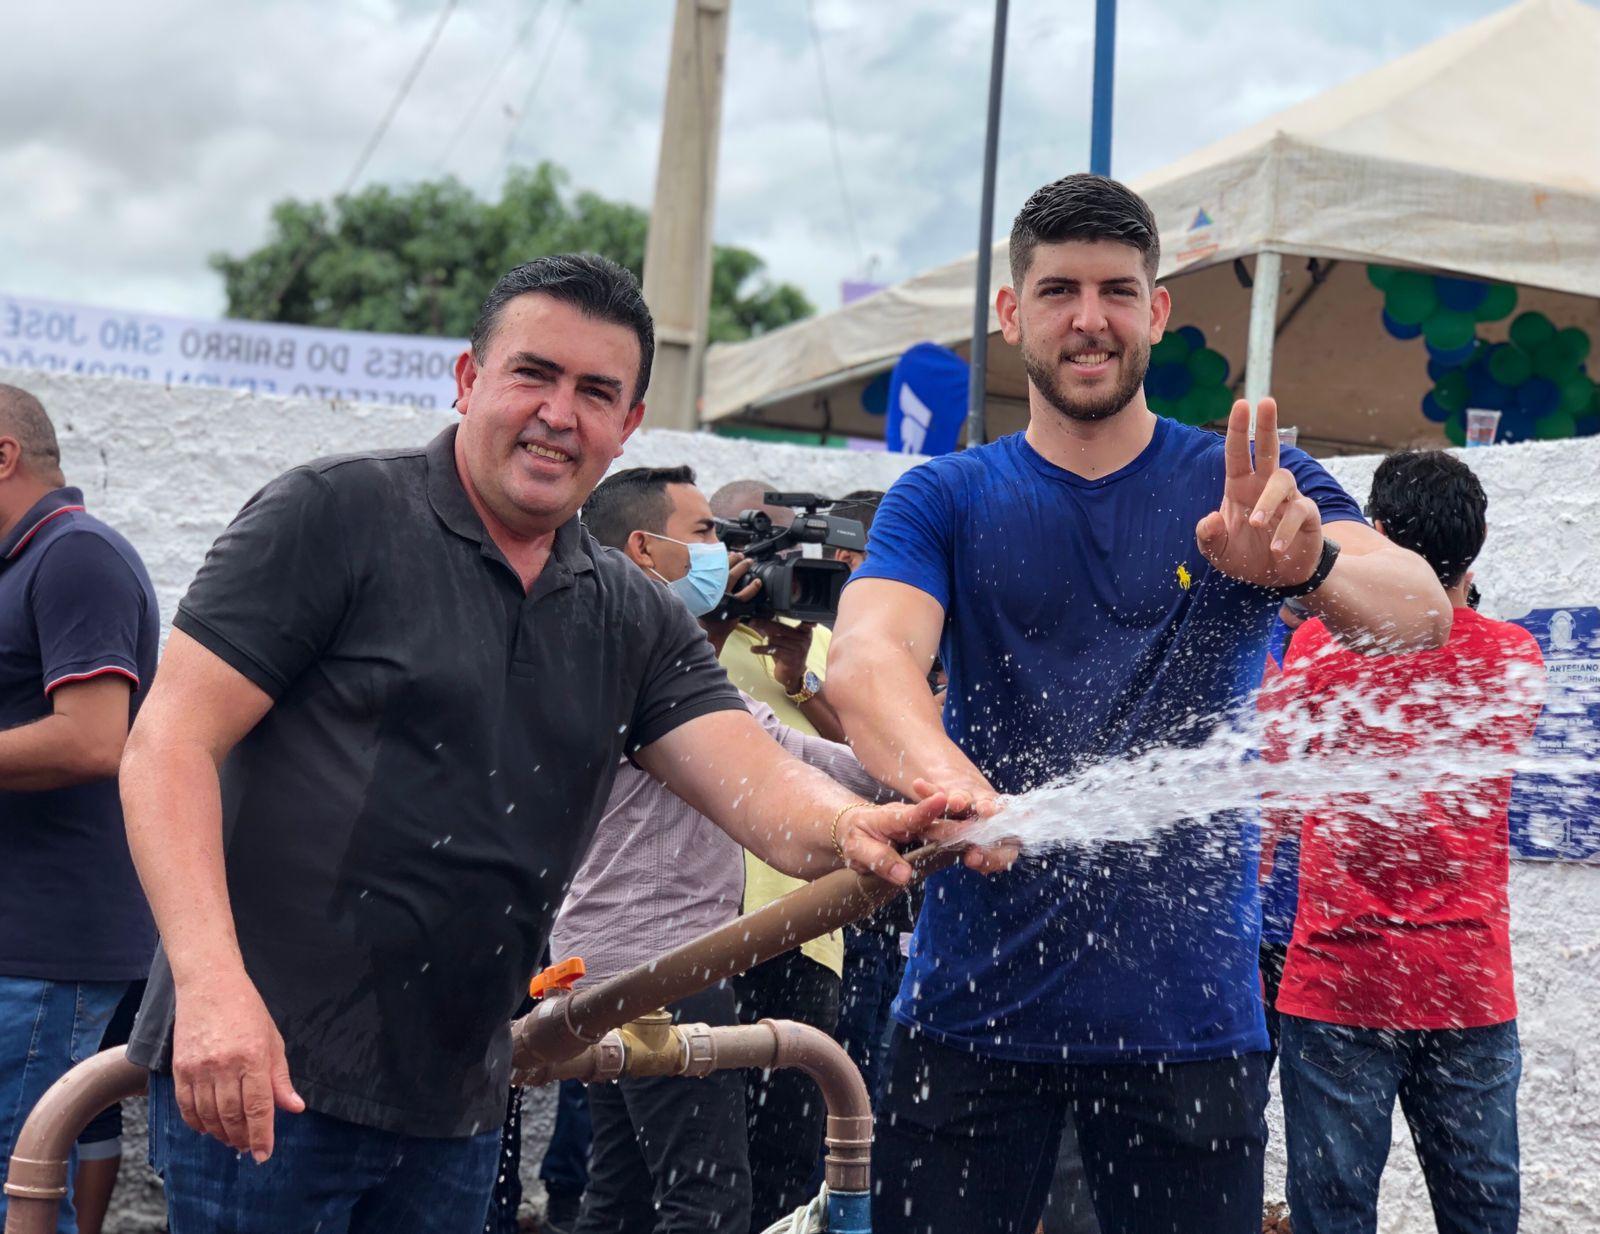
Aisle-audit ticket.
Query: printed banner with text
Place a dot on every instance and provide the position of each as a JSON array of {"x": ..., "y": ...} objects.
[{"x": 302, "y": 361}]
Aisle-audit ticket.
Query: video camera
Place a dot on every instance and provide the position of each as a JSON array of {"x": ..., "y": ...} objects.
[{"x": 805, "y": 588}]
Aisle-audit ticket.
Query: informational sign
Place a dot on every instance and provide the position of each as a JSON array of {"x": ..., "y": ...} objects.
[
  {"x": 302, "y": 361},
  {"x": 1556, "y": 815},
  {"x": 927, "y": 401}
]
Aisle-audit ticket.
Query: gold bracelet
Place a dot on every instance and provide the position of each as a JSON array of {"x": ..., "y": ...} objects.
[{"x": 833, "y": 832}]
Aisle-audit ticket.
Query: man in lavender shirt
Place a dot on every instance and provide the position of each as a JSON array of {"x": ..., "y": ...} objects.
[{"x": 669, "y": 1154}]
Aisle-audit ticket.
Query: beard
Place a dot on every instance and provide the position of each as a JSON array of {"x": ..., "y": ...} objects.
[{"x": 1045, "y": 377}]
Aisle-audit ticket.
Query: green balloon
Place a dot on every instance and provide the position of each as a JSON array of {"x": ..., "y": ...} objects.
[
  {"x": 1577, "y": 392},
  {"x": 1502, "y": 298},
  {"x": 1410, "y": 298},
  {"x": 1172, "y": 349},
  {"x": 1551, "y": 359},
  {"x": 1217, "y": 402},
  {"x": 1381, "y": 276},
  {"x": 1448, "y": 329},
  {"x": 1455, "y": 431},
  {"x": 1556, "y": 425},
  {"x": 1210, "y": 368},
  {"x": 1528, "y": 330},
  {"x": 1576, "y": 344},
  {"x": 1454, "y": 391},
  {"x": 1510, "y": 366},
  {"x": 1163, "y": 406}
]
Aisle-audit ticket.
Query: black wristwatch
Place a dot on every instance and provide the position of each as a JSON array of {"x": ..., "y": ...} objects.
[{"x": 1319, "y": 576}]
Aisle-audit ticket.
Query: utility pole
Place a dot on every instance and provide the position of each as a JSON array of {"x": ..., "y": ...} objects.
[{"x": 677, "y": 256}]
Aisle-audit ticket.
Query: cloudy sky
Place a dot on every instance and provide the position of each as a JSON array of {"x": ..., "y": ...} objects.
[{"x": 135, "y": 139}]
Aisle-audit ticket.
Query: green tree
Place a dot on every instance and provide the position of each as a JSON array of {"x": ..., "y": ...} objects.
[{"x": 419, "y": 260}]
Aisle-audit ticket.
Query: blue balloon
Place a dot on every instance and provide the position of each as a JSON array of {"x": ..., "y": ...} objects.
[
  {"x": 1195, "y": 335},
  {"x": 1168, "y": 381},
  {"x": 1538, "y": 396},
  {"x": 1438, "y": 368},
  {"x": 1399, "y": 331},
  {"x": 1588, "y": 426},
  {"x": 1516, "y": 425},
  {"x": 1486, "y": 392},
  {"x": 1463, "y": 295},
  {"x": 1432, "y": 410},
  {"x": 875, "y": 396},
  {"x": 1455, "y": 357}
]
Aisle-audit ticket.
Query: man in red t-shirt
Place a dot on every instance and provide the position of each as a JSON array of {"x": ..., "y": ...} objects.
[{"x": 1398, "y": 978}]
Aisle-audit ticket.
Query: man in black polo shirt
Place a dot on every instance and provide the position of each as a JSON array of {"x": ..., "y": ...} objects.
[
  {"x": 417, "y": 674},
  {"x": 78, "y": 638}
]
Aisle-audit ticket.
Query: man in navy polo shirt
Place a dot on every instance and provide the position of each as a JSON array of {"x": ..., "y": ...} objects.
[
  {"x": 1100, "y": 584},
  {"x": 78, "y": 639}
]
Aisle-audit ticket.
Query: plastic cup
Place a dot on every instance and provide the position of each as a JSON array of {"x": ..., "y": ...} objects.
[
  {"x": 1482, "y": 426},
  {"x": 1289, "y": 436}
]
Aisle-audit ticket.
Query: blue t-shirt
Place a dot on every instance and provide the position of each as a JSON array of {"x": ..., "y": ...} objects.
[
  {"x": 1083, "y": 622},
  {"x": 75, "y": 604}
]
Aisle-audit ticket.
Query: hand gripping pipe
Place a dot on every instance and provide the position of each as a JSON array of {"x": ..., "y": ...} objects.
[
  {"x": 37, "y": 1181},
  {"x": 563, "y": 1024}
]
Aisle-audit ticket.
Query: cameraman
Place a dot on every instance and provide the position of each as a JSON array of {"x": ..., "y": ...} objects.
[
  {"x": 669, "y": 1152},
  {"x": 782, "y": 665}
]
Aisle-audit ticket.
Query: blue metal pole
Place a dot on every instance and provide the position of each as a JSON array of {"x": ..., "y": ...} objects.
[
  {"x": 849, "y": 1212},
  {"x": 1105, "y": 69}
]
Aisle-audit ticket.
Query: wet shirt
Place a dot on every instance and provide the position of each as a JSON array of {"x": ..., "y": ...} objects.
[
  {"x": 1404, "y": 921},
  {"x": 399, "y": 826},
  {"x": 1082, "y": 623},
  {"x": 75, "y": 604}
]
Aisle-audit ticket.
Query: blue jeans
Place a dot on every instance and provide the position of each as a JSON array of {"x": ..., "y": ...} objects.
[
  {"x": 45, "y": 1028},
  {"x": 325, "y": 1174},
  {"x": 873, "y": 967},
  {"x": 1458, "y": 1088}
]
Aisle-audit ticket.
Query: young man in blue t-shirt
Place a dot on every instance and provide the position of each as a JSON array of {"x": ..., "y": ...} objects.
[{"x": 1102, "y": 583}]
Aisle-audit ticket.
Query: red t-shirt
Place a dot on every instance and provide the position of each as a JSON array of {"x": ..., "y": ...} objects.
[{"x": 1402, "y": 920}]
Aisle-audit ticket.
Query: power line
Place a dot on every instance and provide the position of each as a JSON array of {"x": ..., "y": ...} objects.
[
  {"x": 533, "y": 87},
  {"x": 489, "y": 84},
  {"x": 833, "y": 135},
  {"x": 371, "y": 147}
]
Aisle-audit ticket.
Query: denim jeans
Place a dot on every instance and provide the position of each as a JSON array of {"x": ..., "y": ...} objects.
[
  {"x": 1458, "y": 1088},
  {"x": 46, "y": 1027},
  {"x": 873, "y": 967},
  {"x": 325, "y": 1174}
]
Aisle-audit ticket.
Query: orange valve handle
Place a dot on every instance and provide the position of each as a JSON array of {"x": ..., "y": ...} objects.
[{"x": 562, "y": 976}]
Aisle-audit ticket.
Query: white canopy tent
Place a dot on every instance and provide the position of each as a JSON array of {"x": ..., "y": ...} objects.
[{"x": 1477, "y": 155}]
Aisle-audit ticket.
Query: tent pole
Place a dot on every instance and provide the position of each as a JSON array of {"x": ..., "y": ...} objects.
[
  {"x": 977, "y": 380},
  {"x": 1263, "y": 329},
  {"x": 1105, "y": 63}
]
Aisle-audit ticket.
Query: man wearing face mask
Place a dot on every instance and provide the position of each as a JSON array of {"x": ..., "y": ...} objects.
[{"x": 670, "y": 1154}]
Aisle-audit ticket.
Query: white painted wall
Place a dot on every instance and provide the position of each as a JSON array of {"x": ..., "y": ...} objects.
[{"x": 169, "y": 467}]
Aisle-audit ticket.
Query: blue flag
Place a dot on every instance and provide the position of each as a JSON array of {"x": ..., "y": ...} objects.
[{"x": 927, "y": 401}]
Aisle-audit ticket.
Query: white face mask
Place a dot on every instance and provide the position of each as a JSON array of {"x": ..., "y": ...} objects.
[{"x": 702, "y": 589}]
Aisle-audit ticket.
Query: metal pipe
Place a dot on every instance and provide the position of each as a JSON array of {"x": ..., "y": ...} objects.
[
  {"x": 1263, "y": 330},
  {"x": 563, "y": 1024},
  {"x": 655, "y": 1047},
  {"x": 1105, "y": 72},
  {"x": 37, "y": 1180},
  {"x": 978, "y": 377}
]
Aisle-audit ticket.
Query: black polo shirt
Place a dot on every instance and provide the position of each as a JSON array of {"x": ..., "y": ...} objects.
[
  {"x": 400, "y": 827},
  {"x": 75, "y": 603}
]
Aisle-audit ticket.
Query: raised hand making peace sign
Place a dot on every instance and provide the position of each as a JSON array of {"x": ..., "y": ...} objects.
[{"x": 1265, "y": 532}]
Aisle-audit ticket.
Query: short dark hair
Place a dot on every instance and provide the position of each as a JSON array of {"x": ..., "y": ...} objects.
[
  {"x": 23, "y": 416},
  {"x": 1431, "y": 503},
  {"x": 634, "y": 499},
  {"x": 861, "y": 505},
  {"x": 1084, "y": 206},
  {"x": 596, "y": 286}
]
